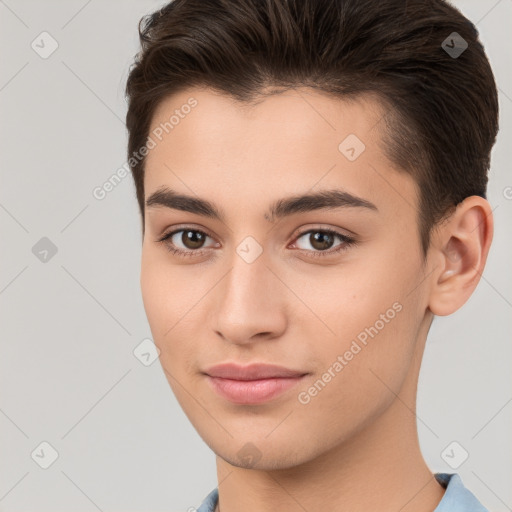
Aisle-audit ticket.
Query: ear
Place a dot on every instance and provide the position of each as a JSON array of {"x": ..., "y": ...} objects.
[{"x": 459, "y": 252}]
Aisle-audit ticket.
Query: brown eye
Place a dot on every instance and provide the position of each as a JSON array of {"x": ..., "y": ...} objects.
[
  {"x": 185, "y": 241},
  {"x": 192, "y": 239},
  {"x": 321, "y": 240}
]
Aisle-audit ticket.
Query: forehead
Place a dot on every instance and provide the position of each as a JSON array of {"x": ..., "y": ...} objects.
[
  {"x": 289, "y": 142},
  {"x": 294, "y": 114}
]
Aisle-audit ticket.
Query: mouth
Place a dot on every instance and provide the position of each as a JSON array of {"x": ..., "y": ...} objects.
[
  {"x": 254, "y": 384},
  {"x": 252, "y": 391}
]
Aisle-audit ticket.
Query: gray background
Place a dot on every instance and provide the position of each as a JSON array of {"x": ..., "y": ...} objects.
[{"x": 70, "y": 325}]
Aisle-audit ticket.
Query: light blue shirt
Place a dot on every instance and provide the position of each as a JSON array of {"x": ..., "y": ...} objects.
[{"x": 457, "y": 498}]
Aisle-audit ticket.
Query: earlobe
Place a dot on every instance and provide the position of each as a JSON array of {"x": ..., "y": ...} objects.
[{"x": 461, "y": 248}]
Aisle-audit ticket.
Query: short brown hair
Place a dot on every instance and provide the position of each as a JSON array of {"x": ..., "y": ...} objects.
[{"x": 442, "y": 109}]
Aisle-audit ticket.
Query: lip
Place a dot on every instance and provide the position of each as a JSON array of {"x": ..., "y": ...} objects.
[
  {"x": 253, "y": 384},
  {"x": 253, "y": 371}
]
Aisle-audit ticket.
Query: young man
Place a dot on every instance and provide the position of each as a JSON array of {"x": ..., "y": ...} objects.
[{"x": 311, "y": 176}]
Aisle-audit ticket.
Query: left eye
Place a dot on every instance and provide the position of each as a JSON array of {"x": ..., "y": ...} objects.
[{"x": 322, "y": 240}]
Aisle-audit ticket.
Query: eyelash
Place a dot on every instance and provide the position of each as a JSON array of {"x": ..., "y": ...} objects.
[{"x": 347, "y": 242}]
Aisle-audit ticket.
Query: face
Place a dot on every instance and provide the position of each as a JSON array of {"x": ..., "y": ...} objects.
[{"x": 332, "y": 288}]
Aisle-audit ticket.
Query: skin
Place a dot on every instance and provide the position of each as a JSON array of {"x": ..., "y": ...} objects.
[{"x": 354, "y": 446}]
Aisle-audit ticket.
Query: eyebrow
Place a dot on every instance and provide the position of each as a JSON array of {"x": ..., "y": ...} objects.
[{"x": 322, "y": 200}]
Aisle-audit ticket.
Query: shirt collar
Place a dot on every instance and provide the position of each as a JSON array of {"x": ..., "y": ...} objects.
[{"x": 457, "y": 497}]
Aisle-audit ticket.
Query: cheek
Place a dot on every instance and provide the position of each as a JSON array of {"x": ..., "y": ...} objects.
[
  {"x": 360, "y": 368},
  {"x": 163, "y": 298},
  {"x": 172, "y": 300},
  {"x": 154, "y": 294},
  {"x": 167, "y": 291},
  {"x": 344, "y": 300},
  {"x": 365, "y": 313}
]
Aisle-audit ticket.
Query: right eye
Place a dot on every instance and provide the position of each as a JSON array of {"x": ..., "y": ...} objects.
[{"x": 191, "y": 239}]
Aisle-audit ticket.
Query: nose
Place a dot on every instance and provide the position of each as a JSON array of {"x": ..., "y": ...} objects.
[{"x": 250, "y": 303}]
